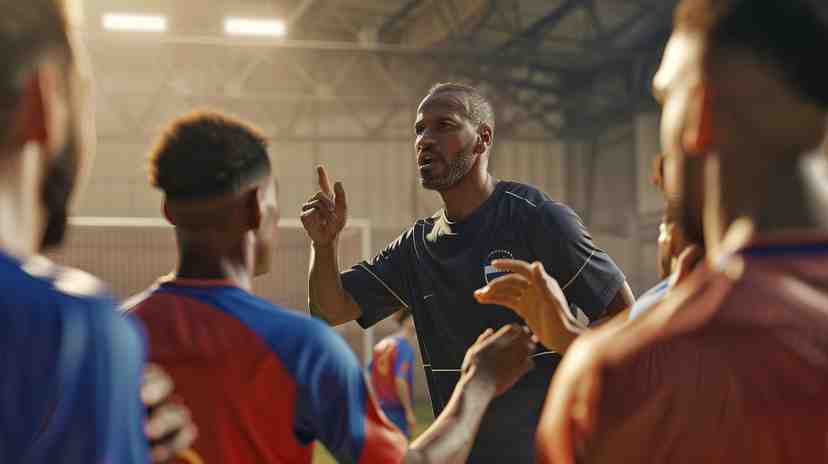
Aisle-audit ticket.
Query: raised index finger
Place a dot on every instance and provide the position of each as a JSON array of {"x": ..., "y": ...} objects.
[{"x": 324, "y": 182}]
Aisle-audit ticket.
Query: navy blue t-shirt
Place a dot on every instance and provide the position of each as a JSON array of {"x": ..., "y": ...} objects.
[
  {"x": 434, "y": 268},
  {"x": 71, "y": 369}
]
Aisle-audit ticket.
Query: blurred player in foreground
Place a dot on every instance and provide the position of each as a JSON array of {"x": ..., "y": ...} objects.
[
  {"x": 435, "y": 266},
  {"x": 392, "y": 376},
  {"x": 264, "y": 382},
  {"x": 72, "y": 385},
  {"x": 731, "y": 366}
]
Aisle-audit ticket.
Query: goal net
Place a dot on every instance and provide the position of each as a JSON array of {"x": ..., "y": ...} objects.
[{"x": 130, "y": 254}]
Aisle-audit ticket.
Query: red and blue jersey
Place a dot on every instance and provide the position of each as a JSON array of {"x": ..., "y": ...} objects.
[
  {"x": 72, "y": 367},
  {"x": 392, "y": 359},
  {"x": 263, "y": 382}
]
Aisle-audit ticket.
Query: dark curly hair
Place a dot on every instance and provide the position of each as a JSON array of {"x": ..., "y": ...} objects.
[{"x": 206, "y": 154}]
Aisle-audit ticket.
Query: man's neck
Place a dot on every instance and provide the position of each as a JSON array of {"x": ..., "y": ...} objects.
[
  {"x": 22, "y": 215},
  {"x": 195, "y": 263},
  {"x": 798, "y": 197},
  {"x": 463, "y": 199},
  {"x": 792, "y": 198}
]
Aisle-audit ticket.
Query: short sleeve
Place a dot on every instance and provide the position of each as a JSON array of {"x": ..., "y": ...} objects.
[
  {"x": 336, "y": 406},
  {"x": 379, "y": 286},
  {"x": 404, "y": 361},
  {"x": 587, "y": 275}
]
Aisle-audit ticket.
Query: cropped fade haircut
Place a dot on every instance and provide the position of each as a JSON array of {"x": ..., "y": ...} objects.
[
  {"x": 30, "y": 30},
  {"x": 206, "y": 154},
  {"x": 478, "y": 108},
  {"x": 791, "y": 35}
]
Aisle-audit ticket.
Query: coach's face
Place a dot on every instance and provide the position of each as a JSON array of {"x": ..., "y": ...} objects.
[
  {"x": 677, "y": 87},
  {"x": 446, "y": 140}
]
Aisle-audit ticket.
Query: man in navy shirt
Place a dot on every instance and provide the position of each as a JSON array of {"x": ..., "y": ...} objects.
[{"x": 435, "y": 266}]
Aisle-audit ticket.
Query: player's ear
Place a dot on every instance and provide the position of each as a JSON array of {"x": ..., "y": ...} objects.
[
  {"x": 698, "y": 132},
  {"x": 485, "y": 137},
  {"x": 43, "y": 111},
  {"x": 254, "y": 208}
]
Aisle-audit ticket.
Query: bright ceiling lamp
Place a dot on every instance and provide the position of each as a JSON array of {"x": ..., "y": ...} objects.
[
  {"x": 258, "y": 27},
  {"x": 134, "y": 22}
]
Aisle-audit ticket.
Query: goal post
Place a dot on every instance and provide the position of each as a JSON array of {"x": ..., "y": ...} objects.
[{"x": 131, "y": 253}]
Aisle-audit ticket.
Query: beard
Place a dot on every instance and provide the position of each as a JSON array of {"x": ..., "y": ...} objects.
[
  {"x": 689, "y": 205},
  {"x": 456, "y": 170},
  {"x": 58, "y": 185}
]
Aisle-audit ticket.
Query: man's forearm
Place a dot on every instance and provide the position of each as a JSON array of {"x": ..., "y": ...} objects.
[
  {"x": 450, "y": 438},
  {"x": 327, "y": 298},
  {"x": 404, "y": 395}
]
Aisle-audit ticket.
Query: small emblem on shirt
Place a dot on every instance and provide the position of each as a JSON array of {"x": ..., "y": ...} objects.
[{"x": 490, "y": 272}]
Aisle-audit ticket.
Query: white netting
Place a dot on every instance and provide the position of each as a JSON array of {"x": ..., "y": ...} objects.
[{"x": 131, "y": 253}]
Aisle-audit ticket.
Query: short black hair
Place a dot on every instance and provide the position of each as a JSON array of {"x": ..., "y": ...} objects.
[
  {"x": 206, "y": 154},
  {"x": 478, "y": 108},
  {"x": 792, "y": 35},
  {"x": 29, "y": 31}
]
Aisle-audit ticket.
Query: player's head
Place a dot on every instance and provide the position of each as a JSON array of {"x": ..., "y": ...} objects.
[
  {"x": 404, "y": 320},
  {"x": 215, "y": 173},
  {"x": 676, "y": 232},
  {"x": 42, "y": 92},
  {"x": 743, "y": 80},
  {"x": 454, "y": 133}
]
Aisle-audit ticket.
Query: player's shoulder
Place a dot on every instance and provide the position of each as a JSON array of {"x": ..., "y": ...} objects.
[
  {"x": 526, "y": 200},
  {"x": 390, "y": 342},
  {"x": 38, "y": 278},
  {"x": 286, "y": 330},
  {"x": 522, "y": 194},
  {"x": 65, "y": 300},
  {"x": 135, "y": 303},
  {"x": 309, "y": 347}
]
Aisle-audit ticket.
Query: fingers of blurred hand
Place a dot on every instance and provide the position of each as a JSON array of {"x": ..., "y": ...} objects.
[
  {"x": 513, "y": 265},
  {"x": 322, "y": 200},
  {"x": 509, "y": 285},
  {"x": 324, "y": 182},
  {"x": 166, "y": 420},
  {"x": 174, "y": 445},
  {"x": 483, "y": 336},
  {"x": 317, "y": 205},
  {"x": 157, "y": 386},
  {"x": 538, "y": 273},
  {"x": 315, "y": 215}
]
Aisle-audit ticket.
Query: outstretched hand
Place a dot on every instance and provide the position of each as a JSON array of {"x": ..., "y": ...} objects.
[
  {"x": 537, "y": 298},
  {"x": 501, "y": 358},
  {"x": 324, "y": 215}
]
